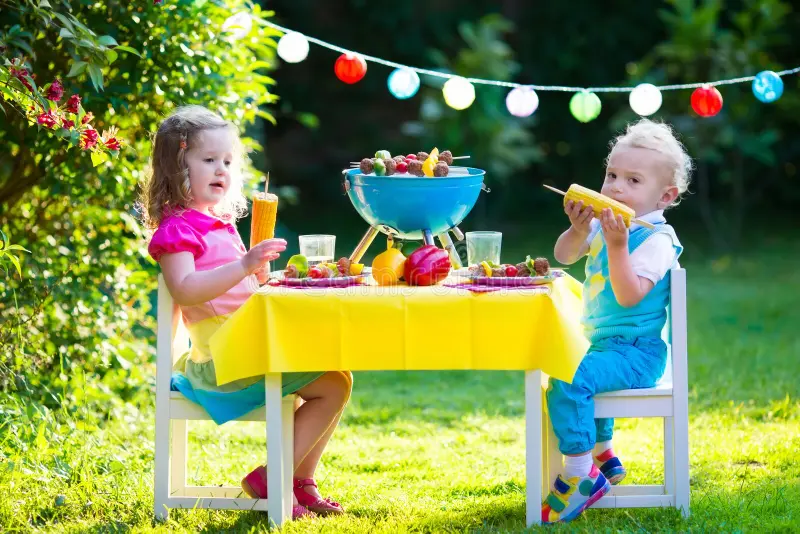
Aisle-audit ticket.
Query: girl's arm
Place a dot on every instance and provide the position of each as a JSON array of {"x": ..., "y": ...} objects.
[
  {"x": 629, "y": 288},
  {"x": 190, "y": 288},
  {"x": 571, "y": 245}
]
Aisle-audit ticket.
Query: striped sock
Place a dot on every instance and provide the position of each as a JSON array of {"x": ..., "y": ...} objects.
[
  {"x": 600, "y": 447},
  {"x": 605, "y": 455}
]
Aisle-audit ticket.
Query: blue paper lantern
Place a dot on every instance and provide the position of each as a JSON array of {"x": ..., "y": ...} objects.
[
  {"x": 403, "y": 83},
  {"x": 767, "y": 86}
]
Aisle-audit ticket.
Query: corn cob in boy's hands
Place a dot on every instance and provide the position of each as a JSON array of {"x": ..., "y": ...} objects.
[{"x": 598, "y": 202}]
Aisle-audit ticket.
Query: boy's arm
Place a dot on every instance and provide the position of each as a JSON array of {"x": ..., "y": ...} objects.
[
  {"x": 629, "y": 288},
  {"x": 571, "y": 245}
]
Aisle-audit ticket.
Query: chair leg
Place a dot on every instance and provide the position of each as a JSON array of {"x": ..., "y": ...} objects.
[
  {"x": 533, "y": 447},
  {"x": 681, "y": 447},
  {"x": 178, "y": 461},
  {"x": 669, "y": 456},
  {"x": 276, "y": 461},
  {"x": 287, "y": 421},
  {"x": 161, "y": 475}
]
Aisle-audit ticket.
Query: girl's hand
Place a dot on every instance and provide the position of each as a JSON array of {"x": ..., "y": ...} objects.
[
  {"x": 614, "y": 229},
  {"x": 579, "y": 216},
  {"x": 260, "y": 254}
]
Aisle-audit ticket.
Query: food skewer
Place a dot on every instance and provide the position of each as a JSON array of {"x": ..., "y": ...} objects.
[
  {"x": 357, "y": 163},
  {"x": 599, "y": 202}
]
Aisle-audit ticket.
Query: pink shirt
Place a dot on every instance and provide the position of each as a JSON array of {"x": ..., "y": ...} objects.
[{"x": 212, "y": 242}]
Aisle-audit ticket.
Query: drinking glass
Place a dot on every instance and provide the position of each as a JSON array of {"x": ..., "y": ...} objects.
[
  {"x": 317, "y": 248},
  {"x": 483, "y": 246}
]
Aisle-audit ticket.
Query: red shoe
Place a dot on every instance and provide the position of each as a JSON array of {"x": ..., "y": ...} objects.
[
  {"x": 255, "y": 486},
  {"x": 317, "y": 505}
]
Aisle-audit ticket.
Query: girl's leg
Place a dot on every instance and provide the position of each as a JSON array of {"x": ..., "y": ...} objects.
[{"x": 324, "y": 399}]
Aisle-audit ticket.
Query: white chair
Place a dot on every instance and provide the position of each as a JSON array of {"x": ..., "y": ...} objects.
[
  {"x": 669, "y": 399},
  {"x": 175, "y": 411}
]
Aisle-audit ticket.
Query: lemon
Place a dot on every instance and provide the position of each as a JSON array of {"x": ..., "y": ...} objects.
[{"x": 486, "y": 268}]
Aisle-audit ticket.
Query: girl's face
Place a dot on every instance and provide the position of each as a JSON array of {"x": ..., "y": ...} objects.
[
  {"x": 640, "y": 178},
  {"x": 210, "y": 160}
]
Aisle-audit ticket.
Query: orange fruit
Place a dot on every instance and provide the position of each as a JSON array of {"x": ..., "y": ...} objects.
[{"x": 388, "y": 266}]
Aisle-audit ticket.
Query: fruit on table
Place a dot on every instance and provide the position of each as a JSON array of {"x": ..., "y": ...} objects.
[
  {"x": 383, "y": 154},
  {"x": 511, "y": 270},
  {"x": 379, "y": 167},
  {"x": 299, "y": 263},
  {"x": 427, "y": 265},
  {"x": 430, "y": 162},
  {"x": 402, "y": 167},
  {"x": 387, "y": 267}
]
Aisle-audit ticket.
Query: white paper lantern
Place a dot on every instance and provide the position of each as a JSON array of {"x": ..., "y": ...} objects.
[
  {"x": 522, "y": 101},
  {"x": 645, "y": 99},
  {"x": 293, "y": 47},
  {"x": 403, "y": 83},
  {"x": 458, "y": 93},
  {"x": 239, "y": 25}
]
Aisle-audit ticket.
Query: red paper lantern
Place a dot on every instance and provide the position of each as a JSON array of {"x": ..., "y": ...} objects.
[
  {"x": 350, "y": 68},
  {"x": 706, "y": 101}
]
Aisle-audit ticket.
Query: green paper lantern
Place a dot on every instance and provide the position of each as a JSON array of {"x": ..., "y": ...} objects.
[{"x": 585, "y": 106}]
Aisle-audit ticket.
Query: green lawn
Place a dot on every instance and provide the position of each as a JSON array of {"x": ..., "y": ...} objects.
[{"x": 444, "y": 451}]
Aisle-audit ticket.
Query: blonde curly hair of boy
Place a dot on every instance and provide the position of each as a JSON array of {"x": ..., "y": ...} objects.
[
  {"x": 167, "y": 188},
  {"x": 660, "y": 137}
]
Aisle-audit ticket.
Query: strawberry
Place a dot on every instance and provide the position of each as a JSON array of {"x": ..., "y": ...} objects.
[{"x": 511, "y": 270}]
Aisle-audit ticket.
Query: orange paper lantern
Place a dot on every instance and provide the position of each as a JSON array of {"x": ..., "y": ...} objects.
[
  {"x": 706, "y": 101},
  {"x": 350, "y": 68}
]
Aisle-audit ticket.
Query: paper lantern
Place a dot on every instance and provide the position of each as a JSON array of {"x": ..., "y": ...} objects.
[
  {"x": 522, "y": 101},
  {"x": 585, "y": 106},
  {"x": 767, "y": 86},
  {"x": 239, "y": 25},
  {"x": 403, "y": 83},
  {"x": 293, "y": 47},
  {"x": 458, "y": 93},
  {"x": 350, "y": 68},
  {"x": 645, "y": 99},
  {"x": 706, "y": 101}
]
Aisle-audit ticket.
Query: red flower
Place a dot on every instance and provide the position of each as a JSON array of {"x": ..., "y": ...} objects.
[
  {"x": 88, "y": 138},
  {"x": 86, "y": 118},
  {"x": 20, "y": 75},
  {"x": 157, "y": 2},
  {"x": 73, "y": 103},
  {"x": 56, "y": 91},
  {"x": 112, "y": 144},
  {"x": 66, "y": 123},
  {"x": 48, "y": 120}
]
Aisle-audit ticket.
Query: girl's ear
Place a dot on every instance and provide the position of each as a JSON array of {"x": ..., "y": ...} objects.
[{"x": 668, "y": 196}]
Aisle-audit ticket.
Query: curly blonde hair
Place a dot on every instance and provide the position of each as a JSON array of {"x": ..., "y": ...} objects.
[
  {"x": 167, "y": 188},
  {"x": 661, "y": 138}
]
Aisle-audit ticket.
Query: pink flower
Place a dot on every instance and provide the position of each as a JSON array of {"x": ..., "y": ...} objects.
[
  {"x": 68, "y": 124},
  {"x": 86, "y": 118},
  {"x": 112, "y": 144},
  {"x": 56, "y": 91},
  {"x": 48, "y": 120},
  {"x": 88, "y": 138},
  {"x": 20, "y": 75},
  {"x": 73, "y": 103}
]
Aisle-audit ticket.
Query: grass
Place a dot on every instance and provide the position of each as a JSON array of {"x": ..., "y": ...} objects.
[{"x": 444, "y": 451}]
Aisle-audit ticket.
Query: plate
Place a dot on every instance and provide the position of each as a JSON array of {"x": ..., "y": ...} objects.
[
  {"x": 516, "y": 281},
  {"x": 339, "y": 281}
]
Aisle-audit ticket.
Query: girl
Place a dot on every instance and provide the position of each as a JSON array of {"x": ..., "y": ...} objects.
[
  {"x": 192, "y": 200},
  {"x": 625, "y": 297}
]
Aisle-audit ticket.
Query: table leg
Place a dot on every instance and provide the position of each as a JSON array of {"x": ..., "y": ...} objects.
[
  {"x": 278, "y": 480},
  {"x": 533, "y": 447}
]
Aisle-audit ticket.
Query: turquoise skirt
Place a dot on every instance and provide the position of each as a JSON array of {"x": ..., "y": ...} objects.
[{"x": 198, "y": 383}]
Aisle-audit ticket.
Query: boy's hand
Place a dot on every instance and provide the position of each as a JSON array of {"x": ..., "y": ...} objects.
[
  {"x": 260, "y": 254},
  {"x": 614, "y": 229},
  {"x": 579, "y": 216}
]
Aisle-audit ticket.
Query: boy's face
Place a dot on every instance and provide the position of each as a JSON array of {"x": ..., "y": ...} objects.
[{"x": 640, "y": 178}]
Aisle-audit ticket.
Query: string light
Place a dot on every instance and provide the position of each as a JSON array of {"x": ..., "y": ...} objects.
[
  {"x": 403, "y": 83},
  {"x": 585, "y": 106},
  {"x": 522, "y": 101},
  {"x": 706, "y": 101},
  {"x": 458, "y": 93},
  {"x": 586, "y": 103},
  {"x": 645, "y": 99},
  {"x": 293, "y": 47}
]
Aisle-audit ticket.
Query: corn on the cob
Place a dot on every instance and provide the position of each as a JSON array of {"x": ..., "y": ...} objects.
[
  {"x": 265, "y": 211},
  {"x": 598, "y": 202}
]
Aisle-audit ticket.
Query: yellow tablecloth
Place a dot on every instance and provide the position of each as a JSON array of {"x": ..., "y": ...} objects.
[{"x": 402, "y": 328}]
